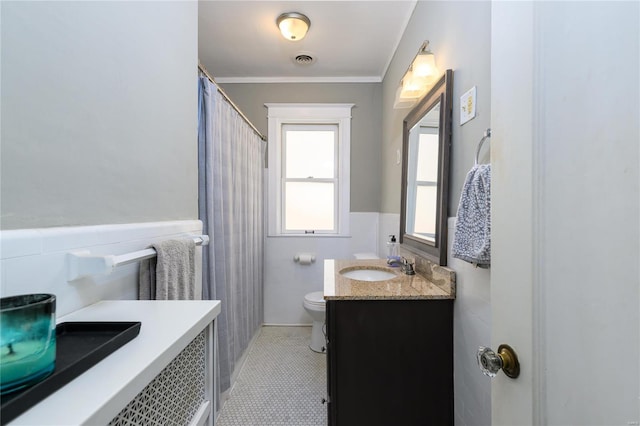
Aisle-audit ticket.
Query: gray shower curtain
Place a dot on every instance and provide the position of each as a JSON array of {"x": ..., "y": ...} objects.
[{"x": 230, "y": 163}]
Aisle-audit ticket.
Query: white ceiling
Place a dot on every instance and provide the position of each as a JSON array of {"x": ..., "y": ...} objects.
[{"x": 350, "y": 41}]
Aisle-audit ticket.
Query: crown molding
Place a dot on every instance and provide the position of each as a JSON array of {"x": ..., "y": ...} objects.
[{"x": 363, "y": 79}]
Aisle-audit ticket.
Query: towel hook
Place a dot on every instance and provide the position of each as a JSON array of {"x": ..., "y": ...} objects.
[{"x": 487, "y": 135}]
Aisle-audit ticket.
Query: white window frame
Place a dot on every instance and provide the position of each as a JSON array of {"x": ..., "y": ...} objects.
[{"x": 280, "y": 114}]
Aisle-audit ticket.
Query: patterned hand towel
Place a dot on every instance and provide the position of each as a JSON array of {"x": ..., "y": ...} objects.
[
  {"x": 171, "y": 274},
  {"x": 472, "y": 238}
]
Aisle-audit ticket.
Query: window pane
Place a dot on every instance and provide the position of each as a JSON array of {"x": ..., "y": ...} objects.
[
  {"x": 425, "y": 220},
  {"x": 309, "y": 206},
  {"x": 310, "y": 153},
  {"x": 427, "y": 158}
]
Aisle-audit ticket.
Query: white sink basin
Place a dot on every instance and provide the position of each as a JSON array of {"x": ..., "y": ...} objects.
[{"x": 368, "y": 274}]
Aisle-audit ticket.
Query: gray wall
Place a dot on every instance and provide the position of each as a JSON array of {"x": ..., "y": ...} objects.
[
  {"x": 99, "y": 112},
  {"x": 366, "y": 127},
  {"x": 460, "y": 37}
]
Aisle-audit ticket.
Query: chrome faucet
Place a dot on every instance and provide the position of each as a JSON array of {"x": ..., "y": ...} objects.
[
  {"x": 407, "y": 267},
  {"x": 394, "y": 261}
]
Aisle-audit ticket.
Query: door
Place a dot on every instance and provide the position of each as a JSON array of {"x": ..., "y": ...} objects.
[{"x": 565, "y": 211}]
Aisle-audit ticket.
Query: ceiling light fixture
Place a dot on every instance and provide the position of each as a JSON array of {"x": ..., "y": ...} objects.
[
  {"x": 420, "y": 76},
  {"x": 293, "y": 25}
]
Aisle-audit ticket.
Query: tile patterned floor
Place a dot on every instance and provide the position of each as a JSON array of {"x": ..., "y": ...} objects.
[{"x": 281, "y": 383}]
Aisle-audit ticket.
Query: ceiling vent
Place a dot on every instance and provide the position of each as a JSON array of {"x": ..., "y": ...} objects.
[{"x": 304, "y": 59}]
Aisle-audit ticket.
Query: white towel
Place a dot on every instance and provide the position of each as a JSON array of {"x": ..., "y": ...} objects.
[
  {"x": 171, "y": 274},
  {"x": 472, "y": 238}
]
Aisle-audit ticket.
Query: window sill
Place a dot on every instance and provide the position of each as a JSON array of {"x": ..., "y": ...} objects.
[{"x": 308, "y": 236}]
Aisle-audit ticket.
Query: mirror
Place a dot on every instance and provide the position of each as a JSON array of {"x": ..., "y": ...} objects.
[{"x": 426, "y": 142}]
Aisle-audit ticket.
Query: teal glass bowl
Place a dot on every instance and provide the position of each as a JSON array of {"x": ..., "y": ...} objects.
[{"x": 27, "y": 340}]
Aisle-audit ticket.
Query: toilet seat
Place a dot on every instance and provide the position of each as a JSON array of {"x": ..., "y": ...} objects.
[
  {"x": 317, "y": 297},
  {"x": 315, "y": 301}
]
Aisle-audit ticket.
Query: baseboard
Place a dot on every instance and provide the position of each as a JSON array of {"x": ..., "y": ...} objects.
[{"x": 286, "y": 325}]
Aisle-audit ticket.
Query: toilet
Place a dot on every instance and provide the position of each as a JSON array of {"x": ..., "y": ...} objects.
[
  {"x": 314, "y": 304},
  {"x": 365, "y": 256}
]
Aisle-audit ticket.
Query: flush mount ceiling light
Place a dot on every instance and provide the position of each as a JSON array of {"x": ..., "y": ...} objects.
[
  {"x": 420, "y": 76},
  {"x": 293, "y": 25}
]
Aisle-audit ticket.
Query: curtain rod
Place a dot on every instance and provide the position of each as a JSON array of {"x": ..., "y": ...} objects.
[{"x": 222, "y": 92}]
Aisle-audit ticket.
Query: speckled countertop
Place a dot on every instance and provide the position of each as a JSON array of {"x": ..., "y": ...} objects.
[{"x": 402, "y": 287}]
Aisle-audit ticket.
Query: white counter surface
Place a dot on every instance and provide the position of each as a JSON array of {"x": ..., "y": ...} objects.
[{"x": 98, "y": 395}]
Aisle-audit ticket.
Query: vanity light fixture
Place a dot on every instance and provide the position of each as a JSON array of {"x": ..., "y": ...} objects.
[
  {"x": 293, "y": 25},
  {"x": 420, "y": 76}
]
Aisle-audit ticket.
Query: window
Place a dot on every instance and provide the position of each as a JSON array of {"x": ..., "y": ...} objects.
[
  {"x": 423, "y": 183},
  {"x": 309, "y": 169},
  {"x": 309, "y": 177}
]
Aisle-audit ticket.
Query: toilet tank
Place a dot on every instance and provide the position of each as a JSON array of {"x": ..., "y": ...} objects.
[{"x": 367, "y": 255}]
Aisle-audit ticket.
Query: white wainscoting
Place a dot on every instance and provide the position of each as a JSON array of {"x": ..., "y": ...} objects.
[
  {"x": 286, "y": 282},
  {"x": 389, "y": 225},
  {"x": 471, "y": 328},
  {"x": 34, "y": 260}
]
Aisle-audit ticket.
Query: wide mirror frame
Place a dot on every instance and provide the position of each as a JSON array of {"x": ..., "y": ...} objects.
[{"x": 434, "y": 248}]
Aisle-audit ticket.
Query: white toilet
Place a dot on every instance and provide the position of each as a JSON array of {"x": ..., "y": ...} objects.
[
  {"x": 365, "y": 256},
  {"x": 314, "y": 304}
]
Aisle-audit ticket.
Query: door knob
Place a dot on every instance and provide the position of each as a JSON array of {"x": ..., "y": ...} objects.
[{"x": 506, "y": 359}]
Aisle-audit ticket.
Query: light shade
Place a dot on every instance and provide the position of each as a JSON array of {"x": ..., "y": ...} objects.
[
  {"x": 403, "y": 102},
  {"x": 413, "y": 86},
  {"x": 293, "y": 25},
  {"x": 424, "y": 65},
  {"x": 420, "y": 76}
]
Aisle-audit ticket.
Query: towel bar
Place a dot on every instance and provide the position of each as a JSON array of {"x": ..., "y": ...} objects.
[
  {"x": 487, "y": 135},
  {"x": 83, "y": 263}
]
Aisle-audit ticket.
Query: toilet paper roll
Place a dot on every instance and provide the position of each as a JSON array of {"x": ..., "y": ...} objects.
[{"x": 304, "y": 258}]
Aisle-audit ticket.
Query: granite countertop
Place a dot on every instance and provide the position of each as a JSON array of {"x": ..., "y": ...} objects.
[{"x": 402, "y": 287}]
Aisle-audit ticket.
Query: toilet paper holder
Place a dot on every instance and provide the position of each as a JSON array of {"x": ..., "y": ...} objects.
[{"x": 304, "y": 258}]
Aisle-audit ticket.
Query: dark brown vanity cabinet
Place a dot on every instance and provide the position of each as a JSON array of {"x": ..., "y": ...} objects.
[{"x": 390, "y": 362}]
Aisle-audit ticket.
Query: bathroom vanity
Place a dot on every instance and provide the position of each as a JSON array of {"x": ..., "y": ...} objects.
[
  {"x": 166, "y": 372},
  {"x": 389, "y": 346}
]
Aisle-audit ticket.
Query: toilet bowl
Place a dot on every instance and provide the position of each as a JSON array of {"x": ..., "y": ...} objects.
[{"x": 314, "y": 304}]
